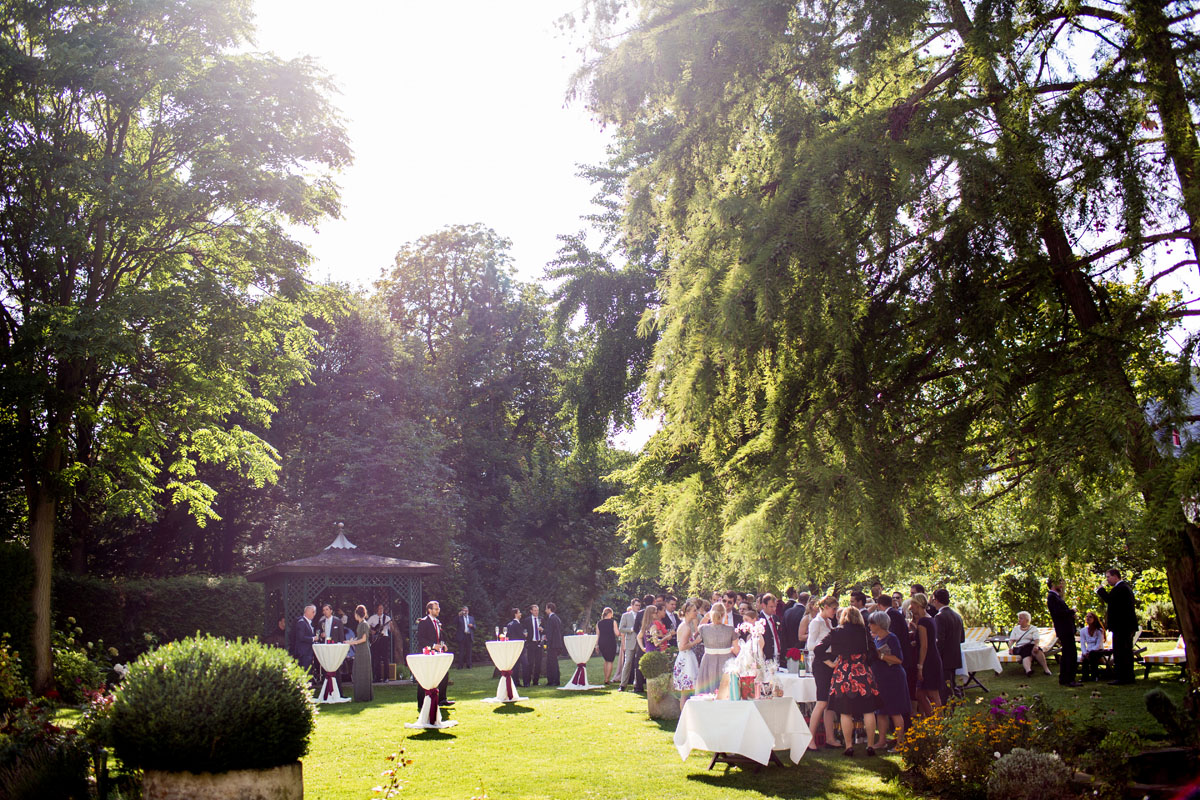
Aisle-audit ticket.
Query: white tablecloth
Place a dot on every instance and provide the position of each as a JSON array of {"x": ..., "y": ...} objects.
[
  {"x": 504, "y": 656},
  {"x": 978, "y": 657},
  {"x": 330, "y": 657},
  {"x": 751, "y": 728},
  {"x": 579, "y": 648},
  {"x": 801, "y": 688},
  {"x": 428, "y": 671}
]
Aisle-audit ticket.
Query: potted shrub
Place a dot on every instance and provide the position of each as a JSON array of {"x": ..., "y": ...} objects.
[
  {"x": 661, "y": 701},
  {"x": 210, "y": 718}
]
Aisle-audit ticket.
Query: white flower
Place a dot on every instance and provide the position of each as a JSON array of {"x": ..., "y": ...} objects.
[
  {"x": 121, "y": 669},
  {"x": 996, "y": 754}
]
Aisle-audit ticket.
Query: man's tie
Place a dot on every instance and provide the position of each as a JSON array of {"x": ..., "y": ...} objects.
[{"x": 535, "y": 630}]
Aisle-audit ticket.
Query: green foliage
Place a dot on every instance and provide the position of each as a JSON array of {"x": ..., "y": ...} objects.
[
  {"x": 123, "y": 612},
  {"x": 1160, "y": 618},
  {"x": 1028, "y": 775},
  {"x": 655, "y": 663},
  {"x": 1179, "y": 723},
  {"x": 1151, "y": 587},
  {"x": 12, "y": 681},
  {"x": 1109, "y": 761},
  {"x": 16, "y": 586},
  {"x": 900, "y": 315},
  {"x": 210, "y": 705},
  {"x": 75, "y": 674},
  {"x": 39, "y": 758}
]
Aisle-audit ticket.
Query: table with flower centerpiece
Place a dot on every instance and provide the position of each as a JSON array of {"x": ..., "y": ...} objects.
[
  {"x": 801, "y": 687},
  {"x": 742, "y": 731},
  {"x": 505, "y": 653},
  {"x": 428, "y": 669},
  {"x": 330, "y": 656},
  {"x": 579, "y": 648}
]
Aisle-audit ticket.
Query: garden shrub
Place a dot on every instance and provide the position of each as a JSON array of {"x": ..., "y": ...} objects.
[
  {"x": 1109, "y": 762},
  {"x": 655, "y": 663},
  {"x": 12, "y": 680},
  {"x": 1028, "y": 775},
  {"x": 39, "y": 759},
  {"x": 1181, "y": 728},
  {"x": 79, "y": 667},
  {"x": 16, "y": 592},
  {"x": 210, "y": 705},
  {"x": 1160, "y": 619}
]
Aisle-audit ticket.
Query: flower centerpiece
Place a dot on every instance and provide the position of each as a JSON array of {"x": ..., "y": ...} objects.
[
  {"x": 794, "y": 656},
  {"x": 748, "y": 670}
]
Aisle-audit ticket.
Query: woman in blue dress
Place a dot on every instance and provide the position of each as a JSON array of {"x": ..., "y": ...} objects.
[{"x": 890, "y": 677}]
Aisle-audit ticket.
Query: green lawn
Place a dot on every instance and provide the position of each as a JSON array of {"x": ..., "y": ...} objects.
[{"x": 601, "y": 744}]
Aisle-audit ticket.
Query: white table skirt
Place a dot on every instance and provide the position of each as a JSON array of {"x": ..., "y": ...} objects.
[
  {"x": 978, "y": 658},
  {"x": 330, "y": 657},
  {"x": 750, "y": 728},
  {"x": 801, "y": 688},
  {"x": 504, "y": 655},
  {"x": 579, "y": 648},
  {"x": 428, "y": 671}
]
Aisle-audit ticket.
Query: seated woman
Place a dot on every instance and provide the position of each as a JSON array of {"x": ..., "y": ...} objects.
[
  {"x": 1091, "y": 647},
  {"x": 1023, "y": 643}
]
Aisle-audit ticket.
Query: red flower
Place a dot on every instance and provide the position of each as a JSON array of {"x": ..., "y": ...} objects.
[
  {"x": 53, "y": 694},
  {"x": 793, "y": 653}
]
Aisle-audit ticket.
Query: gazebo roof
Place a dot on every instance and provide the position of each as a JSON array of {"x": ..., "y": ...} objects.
[{"x": 342, "y": 556}]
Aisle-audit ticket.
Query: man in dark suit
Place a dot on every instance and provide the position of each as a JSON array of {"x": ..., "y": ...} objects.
[
  {"x": 790, "y": 593},
  {"x": 465, "y": 628},
  {"x": 950, "y": 636},
  {"x": 430, "y": 634},
  {"x": 639, "y": 680},
  {"x": 535, "y": 643},
  {"x": 515, "y": 631},
  {"x": 555, "y": 646},
  {"x": 791, "y": 623},
  {"x": 670, "y": 603},
  {"x": 1063, "y": 617},
  {"x": 732, "y": 615},
  {"x": 768, "y": 604},
  {"x": 1122, "y": 621},
  {"x": 303, "y": 635},
  {"x": 329, "y": 627}
]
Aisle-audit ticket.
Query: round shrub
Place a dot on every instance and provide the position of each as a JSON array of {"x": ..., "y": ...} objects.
[
  {"x": 1028, "y": 775},
  {"x": 211, "y": 705},
  {"x": 655, "y": 663}
]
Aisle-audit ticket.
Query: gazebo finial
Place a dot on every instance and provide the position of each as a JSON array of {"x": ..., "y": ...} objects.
[{"x": 340, "y": 542}]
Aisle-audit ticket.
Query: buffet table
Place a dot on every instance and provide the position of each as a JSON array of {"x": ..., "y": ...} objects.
[
  {"x": 505, "y": 654},
  {"x": 802, "y": 688},
  {"x": 330, "y": 657},
  {"x": 579, "y": 648},
  {"x": 428, "y": 671},
  {"x": 750, "y": 730}
]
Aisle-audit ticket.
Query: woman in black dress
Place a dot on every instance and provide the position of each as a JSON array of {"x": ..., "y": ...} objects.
[
  {"x": 852, "y": 690},
  {"x": 929, "y": 663},
  {"x": 606, "y": 629}
]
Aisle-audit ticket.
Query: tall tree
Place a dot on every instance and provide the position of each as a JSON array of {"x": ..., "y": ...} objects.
[
  {"x": 150, "y": 165},
  {"x": 907, "y": 248}
]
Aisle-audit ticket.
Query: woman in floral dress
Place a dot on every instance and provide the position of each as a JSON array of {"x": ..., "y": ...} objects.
[
  {"x": 852, "y": 690},
  {"x": 686, "y": 667}
]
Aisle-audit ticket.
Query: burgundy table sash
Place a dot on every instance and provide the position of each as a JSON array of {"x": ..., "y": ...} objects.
[
  {"x": 580, "y": 675},
  {"x": 432, "y": 694},
  {"x": 328, "y": 691},
  {"x": 507, "y": 675}
]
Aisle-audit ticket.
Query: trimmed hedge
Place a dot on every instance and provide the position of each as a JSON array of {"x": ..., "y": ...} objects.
[
  {"x": 123, "y": 612},
  {"x": 210, "y": 705},
  {"x": 655, "y": 663}
]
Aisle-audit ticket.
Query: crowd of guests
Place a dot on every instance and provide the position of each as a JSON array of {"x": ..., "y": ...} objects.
[
  {"x": 880, "y": 660},
  {"x": 877, "y": 662}
]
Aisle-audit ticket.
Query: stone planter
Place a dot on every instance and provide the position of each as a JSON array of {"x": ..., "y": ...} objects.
[
  {"x": 277, "y": 783},
  {"x": 661, "y": 702}
]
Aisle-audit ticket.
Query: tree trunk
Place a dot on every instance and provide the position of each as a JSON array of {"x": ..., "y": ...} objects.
[
  {"x": 1183, "y": 578},
  {"x": 41, "y": 545},
  {"x": 1152, "y": 42}
]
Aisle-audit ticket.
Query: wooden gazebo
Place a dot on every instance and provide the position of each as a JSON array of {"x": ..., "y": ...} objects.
[{"x": 341, "y": 565}]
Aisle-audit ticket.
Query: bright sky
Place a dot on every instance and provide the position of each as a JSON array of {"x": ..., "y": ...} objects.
[{"x": 457, "y": 114}]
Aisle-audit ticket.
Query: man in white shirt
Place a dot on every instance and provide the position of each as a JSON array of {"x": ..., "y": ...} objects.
[
  {"x": 628, "y": 642},
  {"x": 381, "y": 643}
]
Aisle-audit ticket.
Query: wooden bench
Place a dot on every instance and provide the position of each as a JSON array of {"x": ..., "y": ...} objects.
[
  {"x": 1048, "y": 641},
  {"x": 1168, "y": 657}
]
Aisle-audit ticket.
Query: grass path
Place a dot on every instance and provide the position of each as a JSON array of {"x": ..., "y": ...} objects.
[{"x": 601, "y": 744}]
